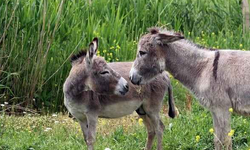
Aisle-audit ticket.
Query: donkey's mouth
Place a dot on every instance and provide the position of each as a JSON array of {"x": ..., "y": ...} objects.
[
  {"x": 123, "y": 92},
  {"x": 135, "y": 81}
]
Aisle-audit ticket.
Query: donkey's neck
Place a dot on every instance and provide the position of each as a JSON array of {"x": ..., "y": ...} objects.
[
  {"x": 186, "y": 62},
  {"x": 75, "y": 84}
]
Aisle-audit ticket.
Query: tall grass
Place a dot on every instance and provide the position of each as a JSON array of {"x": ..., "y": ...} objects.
[{"x": 37, "y": 37}]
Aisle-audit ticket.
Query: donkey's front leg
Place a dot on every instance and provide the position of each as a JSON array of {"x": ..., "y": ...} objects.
[
  {"x": 221, "y": 121},
  {"x": 84, "y": 126},
  {"x": 92, "y": 121}
]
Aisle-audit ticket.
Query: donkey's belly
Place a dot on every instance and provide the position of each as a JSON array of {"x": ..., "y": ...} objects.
[{"x": 120, "y": 109}]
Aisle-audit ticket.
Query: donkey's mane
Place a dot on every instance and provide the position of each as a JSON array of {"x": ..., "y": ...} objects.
[
  {"x": 80, "y": 54},
  {"x": 155, "y": 30},
  {"x": 199, "y": 46}
]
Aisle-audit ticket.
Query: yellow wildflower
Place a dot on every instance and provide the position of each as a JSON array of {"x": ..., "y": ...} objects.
[
  {"x": 189, "y": 33},
  {"x": 118, "y": 47},
  {"x": 103, "y": 122},
  {"x": 231, "y": 110},
  {"x": 213, "y": 33},
  {"x": 140, "y": 121},
  {"x": 211, "y": 130},
  {"x": 231, "y": 133},
  {"x": 244, "y": 121},
  {"x": 197, "y": 138},
  {"x": 241, "y": 45}
]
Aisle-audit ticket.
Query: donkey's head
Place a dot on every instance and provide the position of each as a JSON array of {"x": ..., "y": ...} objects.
[
  {"x": 150, "y": 58},
  {"x": 99, "y": 76}
]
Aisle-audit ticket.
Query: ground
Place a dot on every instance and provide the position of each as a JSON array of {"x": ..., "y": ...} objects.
[{"x": 189, "y": 131}]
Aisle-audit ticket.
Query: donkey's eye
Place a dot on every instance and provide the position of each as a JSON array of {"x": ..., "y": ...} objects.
[
  {"x": 142, "y": 53},
  {"x": 104, "y": 72}
]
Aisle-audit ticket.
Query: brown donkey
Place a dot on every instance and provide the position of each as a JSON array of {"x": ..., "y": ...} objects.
[
  {"x": 219, "y": 78},
  {"x": 96, "y": 89}
]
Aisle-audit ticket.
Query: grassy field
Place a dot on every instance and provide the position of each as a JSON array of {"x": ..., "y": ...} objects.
[
  {"x": 189, "y": 131},
  {"x": 38, "y": 36}
]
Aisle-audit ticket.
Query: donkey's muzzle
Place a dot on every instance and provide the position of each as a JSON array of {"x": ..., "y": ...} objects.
[
  {"x": 135, "y": 79},
  {"x": 121, "y": 87},
  {"x": 125, "y": 89}
]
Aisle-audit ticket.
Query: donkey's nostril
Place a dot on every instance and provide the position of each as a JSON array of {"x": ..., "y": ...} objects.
[
  {"x": 126, "y": 87},
  {"x": 130, "y": 78}
]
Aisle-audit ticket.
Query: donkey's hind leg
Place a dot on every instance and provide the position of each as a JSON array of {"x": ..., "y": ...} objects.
[
  {"x": 150, "y": 131},
  {"x": 152, "y": 115},
  {"x": 158, "y": 128}
]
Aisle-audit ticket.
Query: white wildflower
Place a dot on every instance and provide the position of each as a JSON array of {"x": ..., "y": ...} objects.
[
  {"x": 170, "y": 126},
  {"x": 47, "y": 129}
]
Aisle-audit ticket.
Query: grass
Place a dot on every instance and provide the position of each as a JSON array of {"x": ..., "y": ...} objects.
[
  {"x": 61, "y": 132},
  {"x": 37, "y": 37}
]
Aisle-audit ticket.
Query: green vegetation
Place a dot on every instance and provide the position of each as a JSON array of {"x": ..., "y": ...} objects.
[
  {"x": 38, "y": 36},
  {"x": 189, "y": 131}
]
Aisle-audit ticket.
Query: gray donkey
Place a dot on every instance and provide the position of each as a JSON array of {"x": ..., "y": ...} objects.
[
  {"x": 219, "y": 78},
  {"x": 96, "y": 89}
]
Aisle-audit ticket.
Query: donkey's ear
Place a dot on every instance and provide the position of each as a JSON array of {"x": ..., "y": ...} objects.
[
  {"x": 93, "y": 46},
  {"x": 169, "y": 38}
]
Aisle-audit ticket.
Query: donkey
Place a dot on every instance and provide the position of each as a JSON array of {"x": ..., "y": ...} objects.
[
  {"x": 95, "y": 89},
  {"x": 219, "y": 78}
]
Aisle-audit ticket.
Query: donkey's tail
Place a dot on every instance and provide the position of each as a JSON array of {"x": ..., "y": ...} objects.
[{"x": 171, "y": 110}]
